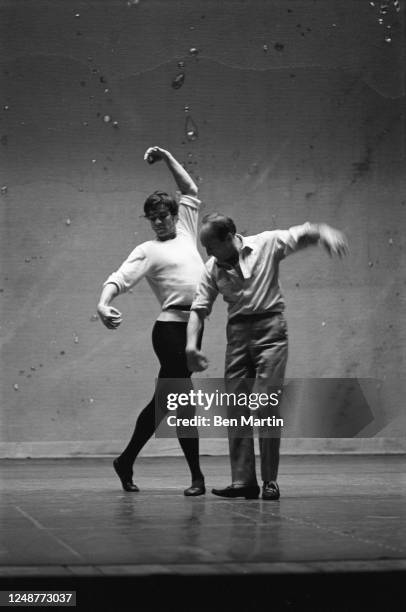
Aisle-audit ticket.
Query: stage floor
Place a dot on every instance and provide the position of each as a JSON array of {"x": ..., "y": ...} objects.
[{"x": 69, "y": 518}]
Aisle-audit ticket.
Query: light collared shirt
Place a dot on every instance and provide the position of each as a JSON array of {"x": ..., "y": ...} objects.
[
  {"x": 172, "y": 267},
  {"x": 252, "y": 285}
]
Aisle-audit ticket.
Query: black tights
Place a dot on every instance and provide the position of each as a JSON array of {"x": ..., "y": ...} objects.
[{"x": 169, "y": 341}]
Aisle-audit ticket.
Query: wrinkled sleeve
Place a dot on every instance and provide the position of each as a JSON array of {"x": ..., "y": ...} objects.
[
  {"x": 134, "y": 268},
  {"x": 289, "y": 241},
  {"x": 206, "y": 293},
  {"x": 188, "y": 215}
]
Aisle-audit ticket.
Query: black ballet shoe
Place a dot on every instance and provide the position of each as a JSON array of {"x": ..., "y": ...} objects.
[
  {"x": 196, "y": 489},
  {"x": 126, "y": 477}
]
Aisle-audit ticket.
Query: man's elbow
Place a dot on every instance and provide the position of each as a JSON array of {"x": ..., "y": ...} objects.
[{"x": 191, "y": 190}]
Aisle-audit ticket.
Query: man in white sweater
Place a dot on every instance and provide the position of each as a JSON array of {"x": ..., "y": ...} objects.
[{"x": 173, "y": 267}]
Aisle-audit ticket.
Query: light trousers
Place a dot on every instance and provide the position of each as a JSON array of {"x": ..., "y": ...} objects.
[{"x": 257, "y": 348}]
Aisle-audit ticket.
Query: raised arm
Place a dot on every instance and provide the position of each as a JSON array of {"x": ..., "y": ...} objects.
[{"x": 184, "y": 181}]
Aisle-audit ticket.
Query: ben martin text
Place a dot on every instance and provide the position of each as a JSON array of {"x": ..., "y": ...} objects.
[{"x": 219, "y": 421}]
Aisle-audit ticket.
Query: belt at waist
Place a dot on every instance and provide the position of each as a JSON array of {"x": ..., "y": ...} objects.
[
  {"x": 254, "y": 316},
  {"x": 178, "y": 307}
]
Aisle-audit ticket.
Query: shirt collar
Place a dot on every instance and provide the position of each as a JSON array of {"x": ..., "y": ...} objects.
[
  {"x": 246, "y": 243},
  {"x": 247, "y": 246}
]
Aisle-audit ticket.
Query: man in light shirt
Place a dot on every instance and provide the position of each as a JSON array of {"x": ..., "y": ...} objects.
[
  {"x": 172, "y": 266},
  {"x": 245, "y": 270}
]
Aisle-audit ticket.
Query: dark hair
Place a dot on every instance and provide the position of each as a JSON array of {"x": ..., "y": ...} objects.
[
  {"x": 220, "y": 225},
  {"x": 159, "y": 198}
]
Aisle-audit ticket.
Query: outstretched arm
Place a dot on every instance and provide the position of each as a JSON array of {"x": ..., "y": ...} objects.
[
  {"x": 196, "y": 360},
  {"x": 184, "y": 181},
  {"x": 110, "y": 317},
  {"x": 332, "y": 239},
  {"x": 301, "y": 236}
]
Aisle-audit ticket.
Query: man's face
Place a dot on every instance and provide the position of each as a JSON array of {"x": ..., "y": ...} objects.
[
  {"x": 224, "y": 251},
  {"x": 162, "y": 222}
]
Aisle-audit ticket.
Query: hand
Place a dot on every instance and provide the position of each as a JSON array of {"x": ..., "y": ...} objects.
[
  {"x": 153, "y": 154},
  {"x": 333, "y": 240},
  {"x": 196, "y": 361},
  {"x": 110, "y": 317}
]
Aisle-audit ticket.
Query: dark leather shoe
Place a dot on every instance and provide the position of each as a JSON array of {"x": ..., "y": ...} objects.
[
  {"x": 270, "y": 491},
  {"x": 196, "y": 489},
  {"x": 125, "y": 476},
  {"x": 247, "y": 491}
]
